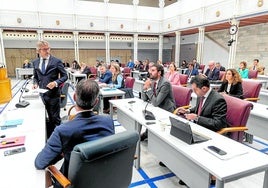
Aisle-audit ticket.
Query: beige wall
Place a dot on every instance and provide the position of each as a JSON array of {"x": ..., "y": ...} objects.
[{"x": 16, "y": 57}]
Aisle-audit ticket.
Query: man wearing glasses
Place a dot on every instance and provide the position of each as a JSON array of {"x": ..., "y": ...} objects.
[{"x": 49, "y": 73}]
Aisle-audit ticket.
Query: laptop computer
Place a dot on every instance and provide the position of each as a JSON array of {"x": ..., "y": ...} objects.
[{"x": 183, "y": 131}]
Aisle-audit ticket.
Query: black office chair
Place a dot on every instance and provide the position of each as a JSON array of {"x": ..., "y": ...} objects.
[
  {"x": 103, "y": 163},
  {"x": 64, "y": 94}
]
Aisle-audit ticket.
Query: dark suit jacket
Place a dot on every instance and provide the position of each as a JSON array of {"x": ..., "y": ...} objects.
[
  {"x": 215, "y": 75},
  {"x": 236, "y": 90},
  {"x": 193, "y": 73},
  {"x": 86, "y": 71},
  {"x": 54, "y": 72},
  {"x": 106, "y": 77},
  {"x": 213, "y": 114},
  {"x": 84, "y": 127},
  {"x": 164, "y": 96}
]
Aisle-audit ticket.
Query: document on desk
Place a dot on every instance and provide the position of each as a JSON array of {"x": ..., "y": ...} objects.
[
  {"x": 39, "y": 90},
  {"x": 225, "y": 153},
  {"x": 10, "y": 123}
]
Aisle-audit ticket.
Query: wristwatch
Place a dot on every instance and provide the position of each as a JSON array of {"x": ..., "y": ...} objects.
[{"x": 196, "y": 118}]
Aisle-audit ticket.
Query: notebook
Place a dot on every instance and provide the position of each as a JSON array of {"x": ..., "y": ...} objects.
[{"x": 183, "y": 131}]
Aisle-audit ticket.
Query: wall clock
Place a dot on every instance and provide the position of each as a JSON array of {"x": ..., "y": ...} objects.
[{"x": 233, "y": 29}]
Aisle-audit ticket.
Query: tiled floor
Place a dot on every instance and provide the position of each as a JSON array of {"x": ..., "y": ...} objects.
[{"x": 152, "y": 175}]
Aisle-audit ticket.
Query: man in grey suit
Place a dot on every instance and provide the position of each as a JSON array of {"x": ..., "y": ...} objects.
[
  {"x": 158, "y": 91},
  {"x": 211, "y": 112},
  {"x": 49, "y": 73}
]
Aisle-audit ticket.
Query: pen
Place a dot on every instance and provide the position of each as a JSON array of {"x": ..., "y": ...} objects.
[{"x": 9, "y": 142}]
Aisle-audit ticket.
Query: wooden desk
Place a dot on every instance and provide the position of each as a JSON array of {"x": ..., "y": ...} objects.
[
  {"x": 23, "y": 71},
  {"x": 138, "y": 86},
  {"x": 263, "y": 97},
  {"x": 18, "y": 170},
  {"x": 191, "y": 162}
]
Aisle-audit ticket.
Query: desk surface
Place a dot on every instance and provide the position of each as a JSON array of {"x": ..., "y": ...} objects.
[
  {"x": 224, "y": 170},
  {"x": 18, "y": 170}
]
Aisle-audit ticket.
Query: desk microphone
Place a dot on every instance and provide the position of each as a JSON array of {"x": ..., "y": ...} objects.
[
  {"x": 148, "y": 115},
  {"x": 23, "y": 104}
]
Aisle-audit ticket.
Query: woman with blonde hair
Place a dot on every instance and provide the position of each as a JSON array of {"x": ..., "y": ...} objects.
[
  {"x": 232, "y": 84},
  {"x": 172, "y": 75},
  {"x": 117, "y": 77}
]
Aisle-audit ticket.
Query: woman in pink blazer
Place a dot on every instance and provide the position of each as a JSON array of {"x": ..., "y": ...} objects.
[{"x": 172, "y": 75}]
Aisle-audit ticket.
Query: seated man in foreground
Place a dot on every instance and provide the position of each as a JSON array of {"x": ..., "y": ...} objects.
[{"x": 86, "y": 126}]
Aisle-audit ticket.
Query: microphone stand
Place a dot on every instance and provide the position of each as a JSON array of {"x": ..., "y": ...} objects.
[
  {"x": 148, "y": 115},
  {"x": 23, "y": 104}
]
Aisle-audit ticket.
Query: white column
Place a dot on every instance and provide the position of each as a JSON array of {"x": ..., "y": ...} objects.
[
  {"x": 76, "y": 46},
  {"x": 2, "y": 50},
  {"x": 135, "y": 50},
  {"x": 200, "y": 45},
  {"x": 107, "y": 47},
  {"x": 177, "y": 48},
  {"x": 160, "y": 53},
  {"x": 232, "y": 50},
  {"x": 40, "y": 35}
]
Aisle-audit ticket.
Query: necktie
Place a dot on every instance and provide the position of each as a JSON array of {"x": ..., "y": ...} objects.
[
  {"x": 200, "y": 105},
  {"x": 44, "y": 66},
  {"x": 254, "y": 68},
  {"x": 154, "y": 89}
]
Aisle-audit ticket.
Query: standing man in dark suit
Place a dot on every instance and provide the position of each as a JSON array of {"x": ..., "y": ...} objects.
[
  {"x": 210, "y": 109},
  {"x": 49, "y": 73},
  {"x": 158, "y": 90}
]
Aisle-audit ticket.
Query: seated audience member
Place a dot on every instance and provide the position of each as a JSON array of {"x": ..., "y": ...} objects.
[
  {"x": 196, "y": 65},
  {"x": 86, "y": 126},
  {"x": 172, "y": 75},
  {"x": 209, "y": 113},
  {"x": 220, "y": 67},
  {"x": 84, "y": 70},
  {"x": 105, "y": 76},
  {"x": 232, "y": 84},
  {"x": 243, "y": 70},
  {"x": 138, "y": 65},
  {"x": 210, "y": 109},
  {"x": 130, "y": 64},
  {"x": 158, "y": 90},
  {"x": 212, "y": 73},
  {"x": 257, "y": 66},
  {"x": 66, "y": 64},
  {"x": 117, "y": 82},
  {"x": 146, "y": 65},
  {"x": 75, "y": 65},
  {"x": 184, "y": 64},
  {"x": 159, "y": 62},
  {"x": 191, "y": 71},
  {"x": 27, "y": 64}
]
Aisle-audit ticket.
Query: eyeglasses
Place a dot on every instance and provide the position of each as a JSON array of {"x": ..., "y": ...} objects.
[{"x": 44, "y": 49}]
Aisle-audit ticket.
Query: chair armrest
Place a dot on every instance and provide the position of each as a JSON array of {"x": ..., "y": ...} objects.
[
  {"x": 184, "y": 85},
  {"x": 71, "y": 116},
  {"x": 232, "y": 129},
  {"x": 185, "y": 107},
  {"x": 251, "y": 99},
  {"x": 59, "y": 176},
  {"x": 62, "y": 96}
]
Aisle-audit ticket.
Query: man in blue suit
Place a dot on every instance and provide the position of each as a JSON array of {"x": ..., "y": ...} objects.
[
  {"x": 86, "y": 126},
  {"x": 191, "y": 71},
  {"x": 212, "y": 73},
  {"x": 49, "y": 73}
]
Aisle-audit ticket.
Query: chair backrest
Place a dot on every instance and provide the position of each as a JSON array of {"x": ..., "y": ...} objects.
[
  {"x": 94, "y": 73},
  {"x": 201, "y": 68},
  {"x": 129, "y": 82},
  {"x": 251, "y": 89},
  {"x": 252, "y": 74},
  {"x": 238, "y": 111},
  {"x": 64, "y": 93},
  {"x": 182, "y": 95},
  {"x": 221, "y": 76},
  {"x": 183, "y": 79},
  {"x": 126, "y": 72},
  {"x": 104, "y": 163}
]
